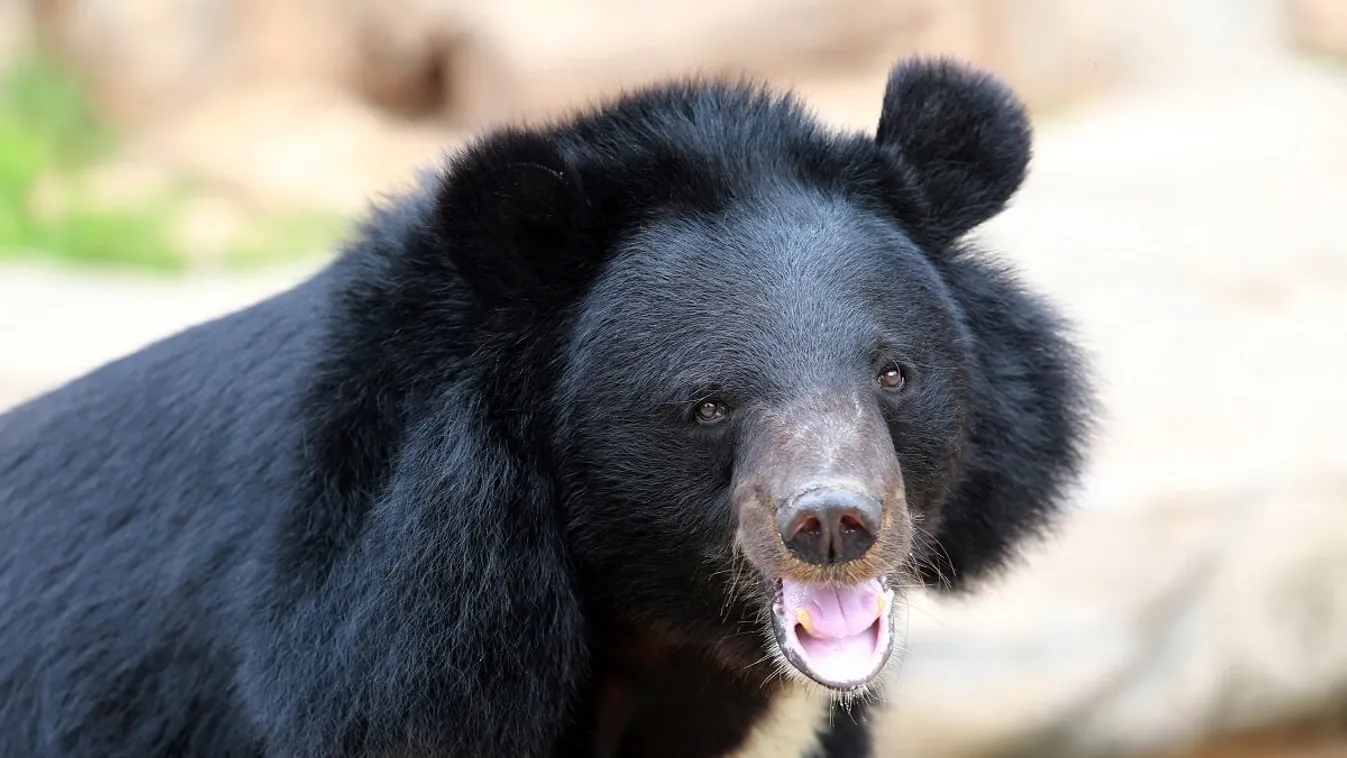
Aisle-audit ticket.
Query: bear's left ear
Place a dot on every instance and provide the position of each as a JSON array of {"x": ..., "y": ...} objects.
[
  {"x": 961, "y": 140},
  {"x": 515, "y": 221}
]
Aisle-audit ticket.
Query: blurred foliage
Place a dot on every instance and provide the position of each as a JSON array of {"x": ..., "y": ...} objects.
[{"x": 50, "y": 135}]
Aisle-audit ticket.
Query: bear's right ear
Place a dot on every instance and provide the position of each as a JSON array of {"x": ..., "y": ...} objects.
[
  {"x": 960, "y": 140},
  {"x": 514, "y": 219}
]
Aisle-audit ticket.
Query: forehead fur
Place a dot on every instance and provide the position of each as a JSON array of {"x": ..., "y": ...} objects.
[
  {"x": 530, "y": 215},
  {"x": 789, "y": 286},
  {"x": 702, "y": 146}
]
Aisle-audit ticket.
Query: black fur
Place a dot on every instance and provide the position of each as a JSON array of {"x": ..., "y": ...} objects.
[{"x": 432, "y": 500}]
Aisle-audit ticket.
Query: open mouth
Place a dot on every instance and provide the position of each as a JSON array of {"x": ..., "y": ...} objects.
[{"x": 838, "y": 635}]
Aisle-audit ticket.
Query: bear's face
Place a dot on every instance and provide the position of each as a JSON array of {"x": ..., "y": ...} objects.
[
  {"x": 756, "y": 381},
  {"x": 767, "y": 400}
]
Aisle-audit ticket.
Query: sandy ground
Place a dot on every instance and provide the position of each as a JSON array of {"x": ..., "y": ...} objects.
[{"x": 1194, "y": 231}]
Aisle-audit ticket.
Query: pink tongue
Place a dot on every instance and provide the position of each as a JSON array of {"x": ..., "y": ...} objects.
[{"x": 834, "y": 612}]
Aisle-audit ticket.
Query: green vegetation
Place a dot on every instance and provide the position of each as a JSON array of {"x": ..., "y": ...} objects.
[{"x": 49, "y": 136}]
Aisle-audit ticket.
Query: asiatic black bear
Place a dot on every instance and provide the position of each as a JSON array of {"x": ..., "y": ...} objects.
[{"x": 617, "y": 432}]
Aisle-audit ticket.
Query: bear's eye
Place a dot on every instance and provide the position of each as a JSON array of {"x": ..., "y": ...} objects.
[
  {"x": 892, "y": 378},
  {"x": 709, "y": 411}
]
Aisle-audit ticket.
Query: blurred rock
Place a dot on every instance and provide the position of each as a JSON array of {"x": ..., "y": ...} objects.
[
  {"x": 472, "y": 59},
  {"x": 126, "y": 181},
  {"x": 208, "y": 228},
  {"x": 57, "y": 323},
  {"x": 319, "y": 76},
  {"x": 16, "y": 30},
  {"x": 1307, "y": 742},
  {"x": 293, "y": 146},
  {"x": 1319, "y": 25},
  {"x": 141, "y": 56},
  {"x": 1199, "y": 591}
]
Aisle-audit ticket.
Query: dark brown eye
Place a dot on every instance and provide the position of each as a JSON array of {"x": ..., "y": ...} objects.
[
  {"x": 708, "y": 411},
  {"x": 891, "y": 378}
]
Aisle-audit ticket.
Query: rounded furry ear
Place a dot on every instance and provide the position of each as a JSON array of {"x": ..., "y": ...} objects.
[
  {"x": 512, "y": 216},
  {"x": 961, "y": 139}
]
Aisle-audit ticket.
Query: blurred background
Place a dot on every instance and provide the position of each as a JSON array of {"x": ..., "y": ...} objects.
[{"x": 165, "y": 161}]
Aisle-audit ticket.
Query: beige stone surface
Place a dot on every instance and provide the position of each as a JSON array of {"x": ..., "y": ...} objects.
[
  {"x": 57, "y": 324},
  {"x": 1319, "y": 25},
  {"x": 1270, "y": 744},
  {"x": 292, "y": 146},
  {"x": 1201, "y": 585},
  {"x": 16, "y": 25},
  {"x": 219, "y": 89}
]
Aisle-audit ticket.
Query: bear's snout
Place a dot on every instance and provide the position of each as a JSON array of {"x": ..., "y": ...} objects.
[
  {"x": 831, "y": 525},
  {"x": 823, "y": 517},
  {"x": 819, "y": 493}
]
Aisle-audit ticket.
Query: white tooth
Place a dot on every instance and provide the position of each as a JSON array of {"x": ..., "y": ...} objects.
[{"x": 882, "y": 602}]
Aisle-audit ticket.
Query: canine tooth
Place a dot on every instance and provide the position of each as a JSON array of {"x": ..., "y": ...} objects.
[
  {"x": 806, "y": 620},
  {"x": 882, "y": 603}
]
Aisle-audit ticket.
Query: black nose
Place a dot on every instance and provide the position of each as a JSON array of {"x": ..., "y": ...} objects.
[{"x": 829, "y": 525}]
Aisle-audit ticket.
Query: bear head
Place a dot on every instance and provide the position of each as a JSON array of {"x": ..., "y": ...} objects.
[{"x": 757, "y": 359}]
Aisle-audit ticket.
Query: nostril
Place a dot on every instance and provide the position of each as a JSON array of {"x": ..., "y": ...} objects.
[
  {"x": 829, "y": 526},
  {"x": 810, "y": 525},
  {"x": 852, "y": 523}
]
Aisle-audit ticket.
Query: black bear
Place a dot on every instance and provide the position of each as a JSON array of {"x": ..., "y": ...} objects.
[{"x": 622, "y": 430}]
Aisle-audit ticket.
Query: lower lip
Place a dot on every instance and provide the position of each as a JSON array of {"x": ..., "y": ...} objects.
[{"x": 884, "y": 643}]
